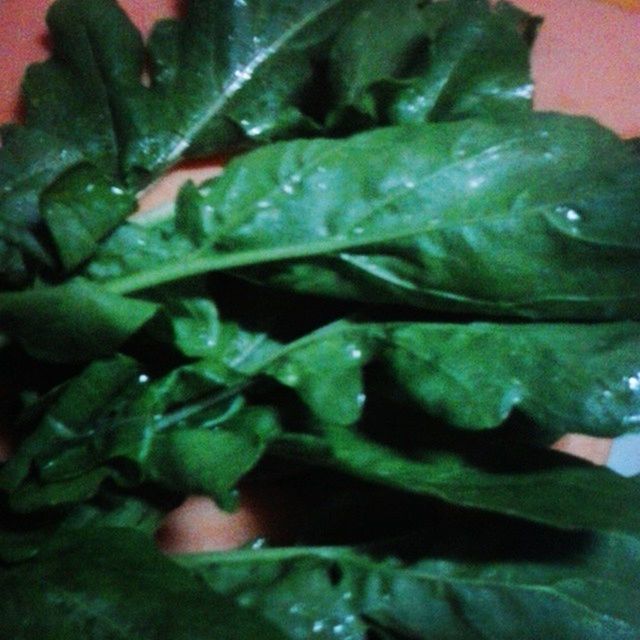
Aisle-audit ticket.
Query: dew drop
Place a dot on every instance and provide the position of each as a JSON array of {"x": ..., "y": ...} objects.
[
  {"x": 358, "y": 231},
  {"x": 117, "y": 191},
  {"x": 318, "y": 626},
  {"x": 476, "y": 182},
  {"x": 634, "y": 382},
  {"x": 242, "y": 74},
  {"x": 288, "y": 188},
  {"x": 143, "y": 378},
  {"x": 355, "y": 352},
  {"x": 255, "y": 130}
]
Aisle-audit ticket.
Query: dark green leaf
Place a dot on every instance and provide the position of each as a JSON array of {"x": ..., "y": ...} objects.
[
  {"x": 478, "y": 65},
  {"x": 76, "y": 321},
  {"x": 445, "y": 61},
  {"x": 587, "y": 592},
  {"x": 80, "y": 209},
  {"x": 458, "y": 217},
  {"x": 186, "y": 431},
  {"x": 112, "y": 584},
  {"x": 562, "y": 377},
  {"x": 225, "y": 73},
  {"x": 502, "y": 477}
]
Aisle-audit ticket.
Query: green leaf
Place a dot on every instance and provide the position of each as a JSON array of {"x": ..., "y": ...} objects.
[
  {"x": 80, "y": 209},
  {"x": 189, "y": 431},
  {"x": 443, "y": 61},
  {"x": 577, "y": 588},
  {"x": 112, "y": 584},
  {"x": 22, "y": 537},
  {"x": 220, "y": 75},
  {"x": 478, "y": 65},
  {"x": 457, "y": 217},
  {"x": 223, "y": 75},
  {"x": 76, "y": 321},
  {"x": 29, "y": 161},
  {"x": 500, "y": 476},
  {"x": 360, "y": 58},
  {"x": 561, "y": 377}
]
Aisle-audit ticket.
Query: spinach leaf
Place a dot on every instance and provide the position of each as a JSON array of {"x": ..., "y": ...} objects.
[
  {"x": 478, "y": 65},
  {"x": 186, "y": 431},
  {"x": 496, "y": 475},
  {"x": 383, "y": 403},
  {"x": 443, "y": 61},
  {"x": 225, "y": 74},
  {"x": 111, "y": 583},
  {"x": 561, "y": 377},
  {"x": 583, "y": 589},
  {"x": 78, "y": 320},
  {"x": 461, "y": 216},
  {"x": 23, "y": 536}
]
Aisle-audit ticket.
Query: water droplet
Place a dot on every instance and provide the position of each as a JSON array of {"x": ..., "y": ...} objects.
[
  {"x": 347, "y": 595},
  {"x": 259, "y": 543},
  {"x": 409, "y": 184},
  {"x": 117, "y": 191},
  {"x": 358, "y": 231},
  {"x": 524, "y": 91},
  {"x": 263, "y": 204},
  {"x": 288, "y": 188},
  {"x": 338, "y": 629},
  {"x": 256, "y": 130},
  {"x": 476, "y": 182},
  {"x": 242, "y": 74},
  {"x": 569, "y": 216},
  {"x": 296, "y": 178},
  {"x": 143, "y": 378},
  {"x": 296, "y": 609},
  {"x": 318, "y": 626},
  {"x": 633, "y": 382},
  {"x": 354, "y": 352},
  {"x": 361, "y": 400},
  {"x": 90, "y": 188}
]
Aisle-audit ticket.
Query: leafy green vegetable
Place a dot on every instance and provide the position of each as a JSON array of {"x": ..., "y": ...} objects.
[
  {"x": 74, "y": 321},
  {"x": 590, "y": 593},
  {"x": 460, "y": 216},
  {"x": 227, "y": 73},
  {"x": 199, "y": 428},
  {"x": 444, "y": 61},
  {"x": 110, "y": 583},
  {"x": 296, "y": 321}
]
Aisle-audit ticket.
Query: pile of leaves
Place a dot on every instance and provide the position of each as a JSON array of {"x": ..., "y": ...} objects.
[{"x": 404, "y": 287}]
